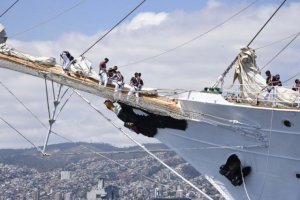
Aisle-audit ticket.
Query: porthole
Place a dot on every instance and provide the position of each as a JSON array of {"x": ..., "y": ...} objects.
[{"x": 287, "y": 123}]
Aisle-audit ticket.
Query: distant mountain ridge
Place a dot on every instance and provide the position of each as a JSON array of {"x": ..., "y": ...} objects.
[{"x": 65, "y": 153}]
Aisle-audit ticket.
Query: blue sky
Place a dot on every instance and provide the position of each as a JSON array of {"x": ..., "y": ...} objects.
[
  {"x": 89, "y": 16},
  {"x": 157, "y": 26}
]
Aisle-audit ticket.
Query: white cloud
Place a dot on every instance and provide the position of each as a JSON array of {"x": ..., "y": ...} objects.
[
  {"x": 147, "y": 19},
  {"x": 213, "y": 4},
  {"x": 193, "y": 66}
]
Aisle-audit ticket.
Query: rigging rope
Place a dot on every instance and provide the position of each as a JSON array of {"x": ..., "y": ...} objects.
[
  {"x": 276, "y": 55},
  {"x": 47, "y": 20},
  {"x": 54, "y": 116},
  {"x": 165, "y": 150},
  {"x": 143, "y": 147},
  {"x": 291, "y": 78},
  {"x": 47, "y": 98},
  {"x": 268, "y": 155},
  {"x": 66, "y": 101},
  {"x": 11, "y": 126},
  {"x": 103, "y": 156},
  {"x": 266, "y": 23},
  {"x": 244, "y": 184},
  {"x": 193, "y": 39},
  {"x": 9, "y": 8},
  {"x": 23, "y": 104},
  {"x": 275, "y": 42},
  {"x": 113, "y": 27}
]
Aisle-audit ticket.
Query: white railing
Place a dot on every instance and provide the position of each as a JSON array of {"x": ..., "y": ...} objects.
[{"x": 234, "y": 94}]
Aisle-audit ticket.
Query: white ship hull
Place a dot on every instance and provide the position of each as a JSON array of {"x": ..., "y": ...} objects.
[{"x": 257, "y": 135}]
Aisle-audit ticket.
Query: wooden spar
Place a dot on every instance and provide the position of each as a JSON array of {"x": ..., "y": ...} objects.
[{"x": 148, "y": 100}]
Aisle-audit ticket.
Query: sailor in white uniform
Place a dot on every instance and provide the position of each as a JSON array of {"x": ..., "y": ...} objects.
[
  {"x": 118, "y": 81},
  {"x": 136, "y": 84},
  {"x": 67, "y": 60},
  {"x": 103, "y": 72}
]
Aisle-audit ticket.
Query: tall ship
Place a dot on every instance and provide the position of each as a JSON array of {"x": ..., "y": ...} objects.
[{"x": 244, "y": 141}]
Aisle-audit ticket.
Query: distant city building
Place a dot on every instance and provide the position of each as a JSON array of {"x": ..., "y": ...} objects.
[
  {"x": 141, "y": 193},
  {"x": 22, "y": 197},
  {"x": 65, "y": 175},
  {"x": 113, "y": 192},
  {"x": 167, "y": 198},
  {"x": 98, "y": 193},
  {"x": 36, "y": 194},
  {"x": 47, "y": 189},
  {"x": 179, "y": 192},
  {"x": 157, "y": 192},
  {"x": 58, "y": 196},
  {"x": 68, "y": 196}
]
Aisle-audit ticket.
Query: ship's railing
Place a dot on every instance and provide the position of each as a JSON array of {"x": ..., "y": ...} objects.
[{"x": 234, "y": 94}]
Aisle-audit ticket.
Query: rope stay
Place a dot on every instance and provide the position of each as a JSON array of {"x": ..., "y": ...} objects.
[
  {"x": 28, "y": 140},
  {"x": 266, "y": 23},
  {"x": 106, "y": 157},
  {"x": 47, "y": 97},
  {"x": 193, "y": 39},
  {"x": 165, "y": 150},
  {"x": 221, "y": 78},
  {"x": 35, "y": 116},
  {"x": 66, "y": 101},
  {"x": 122, "y": 165},
  {"x": 244, "y": 184},
  {"x": 53, "y": 117},
  {"x": 143, "y": 147},
  {"x": 276, "y": 42},
  {"x": 47, "y": 20},
  {"x": 268, "y": 151},
  {"x": 291, "y": 78},
  {"x": 276, "y": 55},
  {"x": 9, "y": 8},
  {"x": 112, "y": 28}
]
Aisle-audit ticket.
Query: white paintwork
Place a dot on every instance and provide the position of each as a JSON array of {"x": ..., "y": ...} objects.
[{"x": 269, "y": 147}]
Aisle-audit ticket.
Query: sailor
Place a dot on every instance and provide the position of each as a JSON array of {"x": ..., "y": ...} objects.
[
  {"x": 3, "y": 36},
  {"x": 296, "y": 87},
  {"x": 112, "y": 71},
  {"x": 136, "y": 84},
  {"x": 276, "y": 80},
  {"x": 68, "y": 59},
  {"x": 118, "y": 81},
  {"x": 269, "y": 78},
  {"x": 271, "y": 92},
  {"x": 103, "y": 72}
]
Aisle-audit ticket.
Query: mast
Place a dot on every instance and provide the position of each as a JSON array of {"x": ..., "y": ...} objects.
[{"x": 221, "y": 78}]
